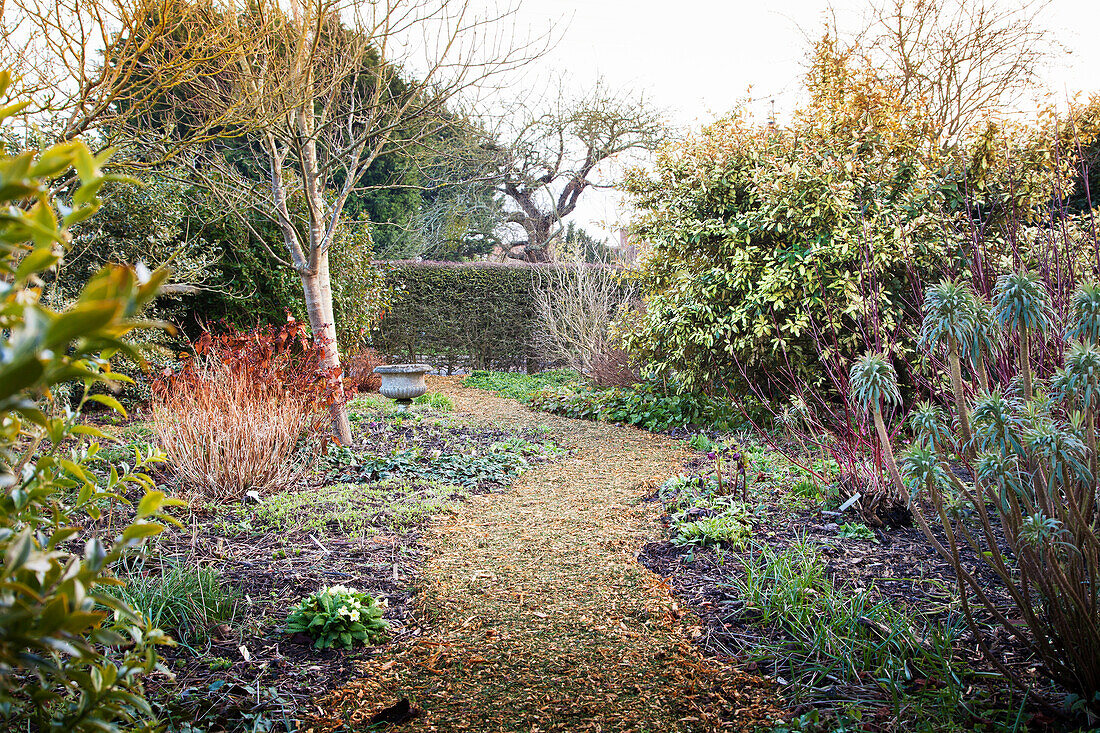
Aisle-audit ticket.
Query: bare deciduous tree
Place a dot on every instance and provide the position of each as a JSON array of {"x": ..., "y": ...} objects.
[
  {"x": 960, "y": 60},
  {"x": 320, "y": 91},
  {"x": 547, "y": 160},
  {"x": 335, "y": 87},
  {"x": 93, "y": 66}
]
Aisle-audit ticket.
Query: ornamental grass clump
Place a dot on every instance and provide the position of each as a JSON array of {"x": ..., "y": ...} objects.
[
  {"x": 338, "y": 616},
  {"x": 1031, "y": 446},
  {"x": 233, "y": 420}
]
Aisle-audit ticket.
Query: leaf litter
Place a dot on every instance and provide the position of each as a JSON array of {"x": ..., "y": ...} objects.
[{"x": 536, "y": 614}]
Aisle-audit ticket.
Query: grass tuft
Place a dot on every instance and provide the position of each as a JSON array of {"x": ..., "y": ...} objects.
[
  {"x": 436, "y": 401},
  {"x": 182, "y": 599}
]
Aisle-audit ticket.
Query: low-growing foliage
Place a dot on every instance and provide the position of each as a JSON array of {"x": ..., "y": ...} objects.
[
  {"x": 501, "y": 462},
  {"x": 682, "y": 492},
  {"x": 836, "y": 636},
  {"x": 178, "y": 597},
  {"x": 519, "y": 385},
  {"x": 729, "y": 525},
  {"x": 644, "y": 405},
  {"x": 855, "y": 531},
  {"x": 701, "y": 442},
  {"x": 436, "y": 401},
  {"x": 391, "y": 505},
  {"x": 338, "y": 616}
]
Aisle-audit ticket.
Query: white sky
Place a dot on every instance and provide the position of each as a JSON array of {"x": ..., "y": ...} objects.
[{"x": 697, "y": 59}]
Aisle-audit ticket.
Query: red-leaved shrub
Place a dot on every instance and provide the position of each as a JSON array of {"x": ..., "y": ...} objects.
[
  {"x": 234, "y": 418},
  {"x": 360, "y": 371}
]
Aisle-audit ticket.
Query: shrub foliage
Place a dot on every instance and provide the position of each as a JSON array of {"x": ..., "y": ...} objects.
[
  {"x": 763, "y": 238},
  {"x": 72, "y": 656},
  {"x": 644, "y": 405},
  {"x": 231, "y": 419}
]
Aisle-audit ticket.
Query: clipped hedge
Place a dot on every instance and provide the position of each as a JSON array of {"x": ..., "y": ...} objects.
[{"x": 462, "y": 315}]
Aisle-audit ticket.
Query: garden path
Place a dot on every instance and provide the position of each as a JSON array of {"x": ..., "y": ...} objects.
[{"x": 538, "y": 616}]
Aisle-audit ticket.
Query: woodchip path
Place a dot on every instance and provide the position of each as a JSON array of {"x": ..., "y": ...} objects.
[{"x": 538, "y": 616}]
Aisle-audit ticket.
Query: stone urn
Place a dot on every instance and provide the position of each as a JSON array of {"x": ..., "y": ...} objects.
[{"x": 403, "y": 383}]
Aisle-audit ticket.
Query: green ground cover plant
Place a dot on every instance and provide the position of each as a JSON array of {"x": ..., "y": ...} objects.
[
  {"x": 855, "y": 531},
  {"x": 646, "y": 406},
  {"x": 730, "y": 525},
  {"x": 824, "y": 636},
  {"x": 338, "y": 616},
  {"x": 519, "y": 385},
  {"x": 354, "y": 509},
  {"x": 805, "y": 610},
  {"x": 501, "y": 462},
  {"x": 436, "y": 401}
]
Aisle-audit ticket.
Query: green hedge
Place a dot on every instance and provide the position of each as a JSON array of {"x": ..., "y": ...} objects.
[{"x": 466, "y": 315}]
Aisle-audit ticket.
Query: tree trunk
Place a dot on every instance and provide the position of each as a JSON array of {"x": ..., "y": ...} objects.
[{"x": 318, "y": 294}]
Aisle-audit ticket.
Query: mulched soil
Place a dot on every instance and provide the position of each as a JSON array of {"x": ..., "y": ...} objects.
[
  {"x": 272, "y": 675},
  {"x": 248, "y": 673},
  {"x": 899, "y": 566},
  {"x": 538, "y": 616}
]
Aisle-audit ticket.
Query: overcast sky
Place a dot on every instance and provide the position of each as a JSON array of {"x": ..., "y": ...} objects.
[{"x": 698, "y": 58}]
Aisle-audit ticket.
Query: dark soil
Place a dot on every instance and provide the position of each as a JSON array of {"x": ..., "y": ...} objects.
[
  {"x": 899, "y": 566},
  {"x": 248, "y": 674},
  {"x": 270, "y": 674}
]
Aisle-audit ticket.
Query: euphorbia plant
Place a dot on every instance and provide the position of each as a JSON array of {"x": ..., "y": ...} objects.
[
  {"x": 1031, "y": 449},
  {"x": 873, "y": 384},
  {"x": 951, "y": 323},
  {"x": 1022, "y": 304}
]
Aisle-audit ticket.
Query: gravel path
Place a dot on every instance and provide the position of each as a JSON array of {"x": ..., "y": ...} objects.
[{"x": 538, "y": 616}]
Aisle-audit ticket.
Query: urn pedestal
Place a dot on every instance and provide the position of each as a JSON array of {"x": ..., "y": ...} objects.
[{"x": 403, "y": 383}]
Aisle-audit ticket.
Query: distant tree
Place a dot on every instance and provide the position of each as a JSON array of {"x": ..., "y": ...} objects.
[
  {"x": 547, "y": 160},
  {"x": 580, "y": 246},
  {"x": 961, "y": 60},
  {"x": 458, "y": 212},
  {"x": 322, "y": 87}
]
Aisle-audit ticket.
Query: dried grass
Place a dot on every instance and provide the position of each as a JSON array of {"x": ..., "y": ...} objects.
[{"x": 226, "y": 434}]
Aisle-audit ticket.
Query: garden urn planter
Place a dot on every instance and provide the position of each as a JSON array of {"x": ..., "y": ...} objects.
[{"x": 403, "y": 383}]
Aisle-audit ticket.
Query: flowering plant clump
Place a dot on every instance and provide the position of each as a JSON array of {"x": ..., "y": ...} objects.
[{"x": 338, "y": 616}]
